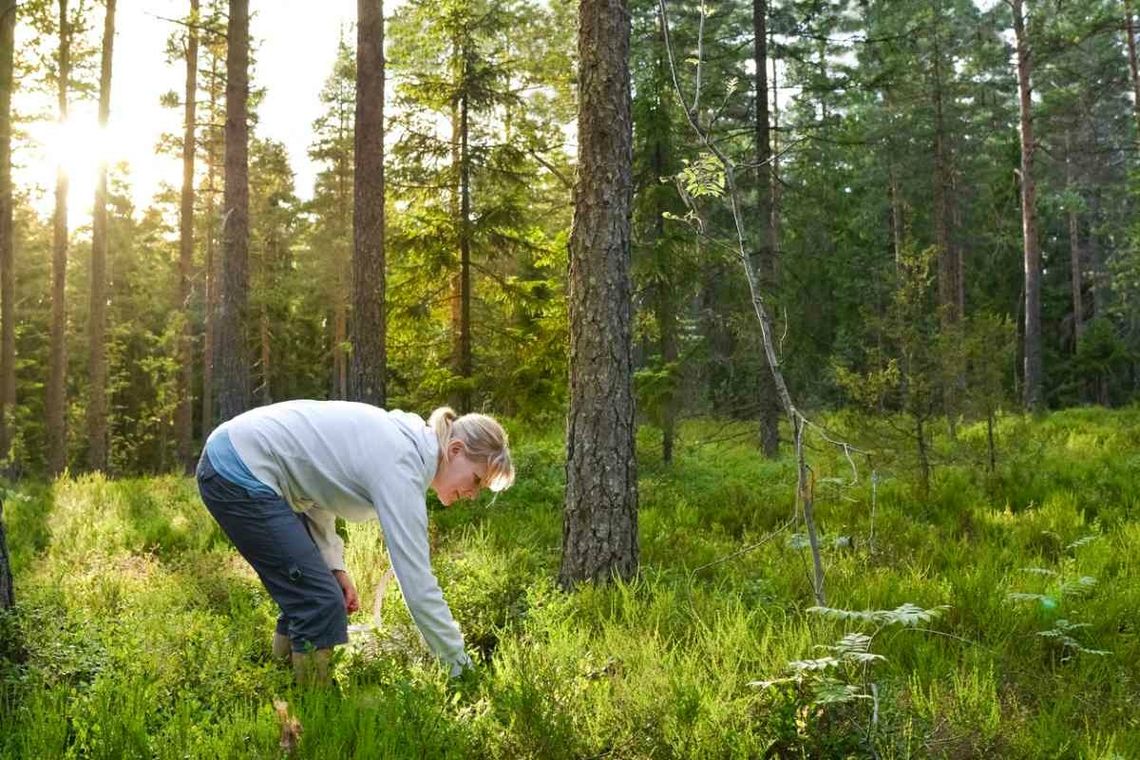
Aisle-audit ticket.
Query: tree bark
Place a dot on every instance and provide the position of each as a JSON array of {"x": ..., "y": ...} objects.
[
  {"x": 368, "y": 329},
  {"x": 233, "y": 321},
  {"x": 264, "y": 336},
  {"x": 1075, "y": 277},
  {"x": 184, "y": 416},
  {"x": 56, "y": 402},
  {"x": 7, "y": 242},
  {"x": 210, "y": 275},
  {"x": 664, "y": 290},
  {"x": 599, "y": 537},
  {"x": 766, "y": 255},
  {"x": 463, "y": 363},
  {"x": 340, "y": 359},
  {"x": 941, "y": 212},
  {"x": 1032, "y": 391},
  {"x": 97, "y": 404}
]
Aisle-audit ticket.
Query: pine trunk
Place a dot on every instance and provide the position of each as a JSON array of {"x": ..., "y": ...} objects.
[
  {"x": 97, "y": 404},
  {"x": 1032, "y": 254},
  {"x": 464, "y": 358},
  {"x": 369, "y": 356},
  {"x": 340, "y": 359},
  {"x": 599, "y": 539},
  {"x": 942, "y": 195},
  {"x": 264, "y": 337},
  {"x": 56, "y": 402},
  {"x": 1075, "y": 278},
  {"x": 184, "y": 416},
  {"x": 666, "y": 309},
  {"x": 210, "y": 274},
  {"x": 210, "y": 298},
  {"x": 233, "y": 322},
  {"x": 7, "y": 246},
  {"x": 766, "y": 255}
]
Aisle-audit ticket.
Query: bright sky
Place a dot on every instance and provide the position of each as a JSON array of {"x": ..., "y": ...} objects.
[{"x": 295, "y": 54}]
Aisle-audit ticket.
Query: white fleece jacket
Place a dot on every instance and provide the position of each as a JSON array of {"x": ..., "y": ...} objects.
[{"x": 359, "y": 462}]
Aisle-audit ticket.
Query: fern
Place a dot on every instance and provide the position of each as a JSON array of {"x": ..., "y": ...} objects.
[
  {"x": 1080, "y": 587},
  {"x": 1082, "y": 541},
  {"x": 1060, "y": 633},
  {"x": 907, "y": 615},
  {"x": 831, "y": 691},
  {"x": 823, "y": 663}
]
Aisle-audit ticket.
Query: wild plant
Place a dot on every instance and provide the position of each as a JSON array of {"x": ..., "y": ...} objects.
[
  {"x": 1065, "y": 583},
  {"x": 824, "y": 693}
]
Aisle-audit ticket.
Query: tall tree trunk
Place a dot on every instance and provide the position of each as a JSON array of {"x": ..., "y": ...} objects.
[
  {"x": 775, "y": 163},
  {"x": 942, "y": 215},
  {"x": 184, "y": 416},
  {"x": 369, "y": 357},
  {"x": 1032, "y": 387},
  {"x": 210, "y": 302},
  {"x": 340, "y": 362},
  {"x": 233, "y": 322},
  {"x": 1075, "y": 278},
  {"x": 667, "y": 327},
  {"x": 464, "y": 358},
  {"x": 664, "y": 291},
  {"x": 210, "y": 274},
  {"x": 97, "y": 404},
  {"x": 949, "y": 288},
  {"x": 766, "y": 255},
  {"x": 7, "y": 243},
  {"x": 56, "y": 402},
  {"x": 599, "y": 536},
  {"x": 264, "y": 338},
  {"x": 1095, "y": 258},
  {"x": 896, "y": 216}
]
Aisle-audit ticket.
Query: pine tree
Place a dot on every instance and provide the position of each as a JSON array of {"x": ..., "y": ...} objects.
[
  {"x": 1032, "y": 253},
  {"x": 56, "y": 405},
  {"x": 233, "y": 318},
  {"x": 332, "y": 232},
  {"x": 7, "y": 232},
  {"x": 599, "y": 536},
  {"x": 184, "y": 420},
  {"x": 368, "y": 329},
  {"x": 97, "y": 327}
]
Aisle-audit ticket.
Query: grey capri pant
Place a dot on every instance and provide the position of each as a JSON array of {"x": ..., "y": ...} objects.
[{"x": 275, "y": 540}]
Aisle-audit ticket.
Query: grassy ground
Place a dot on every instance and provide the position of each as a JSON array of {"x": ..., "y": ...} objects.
[{"x": 146, "y": 636}]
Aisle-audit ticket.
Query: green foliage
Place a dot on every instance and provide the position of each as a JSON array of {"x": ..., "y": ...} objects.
[
  {"x": 1062, "y": 587},
  {"x": 148, "y": 636}
]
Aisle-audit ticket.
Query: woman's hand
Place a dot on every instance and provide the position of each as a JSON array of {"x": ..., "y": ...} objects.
[{"x": 351, "y": 598}]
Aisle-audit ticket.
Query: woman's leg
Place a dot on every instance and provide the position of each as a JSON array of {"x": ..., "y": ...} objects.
[{"x": 274, "y": 540}]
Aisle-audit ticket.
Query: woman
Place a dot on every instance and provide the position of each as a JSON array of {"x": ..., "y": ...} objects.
[{"x": 277, "y": 477}]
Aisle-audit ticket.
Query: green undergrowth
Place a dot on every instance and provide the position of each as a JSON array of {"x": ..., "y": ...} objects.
[{"x": 140, "y": 633}]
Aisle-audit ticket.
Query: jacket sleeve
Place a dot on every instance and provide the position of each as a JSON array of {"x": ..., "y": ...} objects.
[
  {"x": 322, "y": 527},
  {"x": 399, "y": 502}
]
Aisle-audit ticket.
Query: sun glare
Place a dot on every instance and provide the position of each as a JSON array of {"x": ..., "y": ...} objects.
[{"x": 78, "y": 146}]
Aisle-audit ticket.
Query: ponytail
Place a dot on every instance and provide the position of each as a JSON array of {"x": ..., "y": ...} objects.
[{"x": 483, "y": 438}]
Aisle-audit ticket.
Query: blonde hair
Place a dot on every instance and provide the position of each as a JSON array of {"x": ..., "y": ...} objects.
[{"x": 482, "y": 437}]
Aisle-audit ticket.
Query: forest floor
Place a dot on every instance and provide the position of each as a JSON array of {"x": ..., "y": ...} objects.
[{"x": 140, "y": 633}]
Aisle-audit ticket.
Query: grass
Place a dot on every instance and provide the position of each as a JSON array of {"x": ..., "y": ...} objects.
[{"x": 140, "y": 633}]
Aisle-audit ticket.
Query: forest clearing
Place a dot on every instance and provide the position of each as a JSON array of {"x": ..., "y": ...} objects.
[{"x": 597, "y": 379}]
